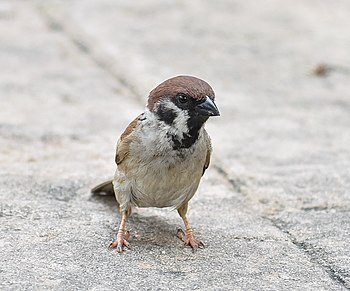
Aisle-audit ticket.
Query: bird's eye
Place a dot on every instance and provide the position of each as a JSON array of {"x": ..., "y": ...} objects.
[{"x": 182, "y": 98}]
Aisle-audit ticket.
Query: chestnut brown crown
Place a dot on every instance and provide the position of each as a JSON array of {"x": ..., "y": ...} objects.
[{"x": 189, "y": 85}]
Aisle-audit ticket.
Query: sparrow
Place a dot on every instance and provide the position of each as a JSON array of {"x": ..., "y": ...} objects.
[{"x": 163, "y": 153}]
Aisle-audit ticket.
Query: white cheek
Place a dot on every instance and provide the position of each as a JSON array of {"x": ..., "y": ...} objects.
[
  {"x": 180, "y": 122},
  {"x": 153, "y": 135}
]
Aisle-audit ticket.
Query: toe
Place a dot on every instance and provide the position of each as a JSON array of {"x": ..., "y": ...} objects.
[
  {"x": 113, "y": 245},
  {"x": 189, "y": 240},
  {"x": 127, "y": 235},
  {"x": 121, "y": 242},
  {"x": 126, "y": 244},
  {"x": 194, "y": 244},
  {"x": 119, "y": 248},
  {"x": 180, "y": 234},
  {"x": 201, "y": 245}
]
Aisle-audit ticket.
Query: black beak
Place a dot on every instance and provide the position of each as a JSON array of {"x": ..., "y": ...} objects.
[{"x": 207, "y": 108}]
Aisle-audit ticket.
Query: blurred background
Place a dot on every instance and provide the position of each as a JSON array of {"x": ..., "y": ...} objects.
[{"x": 74, "y": 73}]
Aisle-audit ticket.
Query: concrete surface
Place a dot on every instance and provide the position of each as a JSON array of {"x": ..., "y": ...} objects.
[{"x": 274, "y": 207}]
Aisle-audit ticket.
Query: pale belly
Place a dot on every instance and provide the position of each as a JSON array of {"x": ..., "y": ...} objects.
[
  {"x": 162, "y": 186},
  {"x": 160, "y": 183}
]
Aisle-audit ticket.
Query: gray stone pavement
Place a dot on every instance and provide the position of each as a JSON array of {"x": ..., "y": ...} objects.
[{"x": 274, "y": 207}]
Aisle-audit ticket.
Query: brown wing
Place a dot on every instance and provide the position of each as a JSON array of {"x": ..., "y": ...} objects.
[
  {"x": 207, "y": 159},
  {"x": 122, "y": 152},
  {"x": 125, "y": 140}
]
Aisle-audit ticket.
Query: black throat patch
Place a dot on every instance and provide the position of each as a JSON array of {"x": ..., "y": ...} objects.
[{"x": 194, "y": 124}]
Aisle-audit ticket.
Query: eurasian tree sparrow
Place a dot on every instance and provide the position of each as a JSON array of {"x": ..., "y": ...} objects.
[{"x": 163, "y": 153}]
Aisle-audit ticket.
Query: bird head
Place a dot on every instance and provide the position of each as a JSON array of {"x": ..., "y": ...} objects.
[{"x": 183, "y": 96}]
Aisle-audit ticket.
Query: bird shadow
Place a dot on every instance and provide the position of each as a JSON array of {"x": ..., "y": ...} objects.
[
  {"x": 147, "y": 231},
  {"x": 106, "y": 199},
  {"x": 152, "y": 230}
]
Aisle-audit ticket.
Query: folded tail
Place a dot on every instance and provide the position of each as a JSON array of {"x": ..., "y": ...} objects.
[{"x": 105, "y": 187}]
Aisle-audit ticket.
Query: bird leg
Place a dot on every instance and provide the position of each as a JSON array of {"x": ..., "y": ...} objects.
[
  {"x": 188, "y": 237},
  {"x": 122, "y": 236}
]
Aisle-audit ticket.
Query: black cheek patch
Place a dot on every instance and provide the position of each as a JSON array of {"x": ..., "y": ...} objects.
[{"x": 166, "y": 114}]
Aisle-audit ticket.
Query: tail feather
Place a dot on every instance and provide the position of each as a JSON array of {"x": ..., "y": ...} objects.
[{"x": 105, "y": 187}]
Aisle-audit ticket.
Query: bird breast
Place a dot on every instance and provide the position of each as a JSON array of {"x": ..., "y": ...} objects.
[{"x": 156, "y": 175}]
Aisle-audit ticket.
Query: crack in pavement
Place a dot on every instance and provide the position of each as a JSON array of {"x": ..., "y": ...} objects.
[
  {"x": 324, "y": 208},
  {"x": 312, "y": 253},
  {"x": 84, "y": 45},
  {"x": 236, "y": 184},
  {"x": 315, "y": 255}
]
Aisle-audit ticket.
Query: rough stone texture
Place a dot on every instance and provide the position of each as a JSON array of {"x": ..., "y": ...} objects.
[{"x": 274, "y": 207}]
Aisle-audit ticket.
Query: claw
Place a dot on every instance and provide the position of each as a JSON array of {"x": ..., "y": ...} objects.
[
  {"x": 119, "y": 249},
  {"x": 189, "y": 240},
  {"x": 127, "y": 235},
  {"x": 180, "y": 234},
  {"x": 121, "y": 243}
]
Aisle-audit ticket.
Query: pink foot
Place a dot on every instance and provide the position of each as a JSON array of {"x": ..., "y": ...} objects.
[
  {"x": 122, "y": 242},
  {"x": 189, "y": 240}
]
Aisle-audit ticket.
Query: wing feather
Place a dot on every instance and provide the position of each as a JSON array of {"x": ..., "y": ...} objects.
[
  {"x": 124, "y": 141},
  {"x": 209, "y": 150}
]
